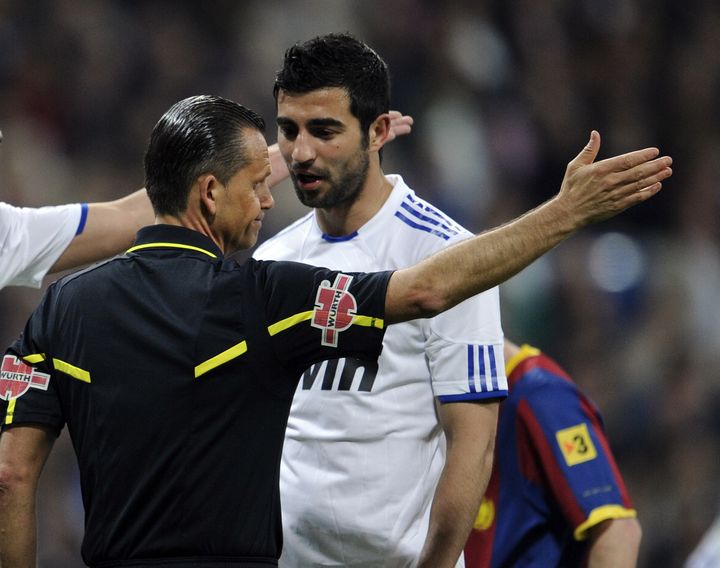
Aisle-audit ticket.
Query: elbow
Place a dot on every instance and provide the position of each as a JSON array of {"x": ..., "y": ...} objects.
[{"x": 428, "y": 303}]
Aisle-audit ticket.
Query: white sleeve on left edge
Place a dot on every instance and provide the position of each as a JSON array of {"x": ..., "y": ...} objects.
[{"x": 32, "y": 239}]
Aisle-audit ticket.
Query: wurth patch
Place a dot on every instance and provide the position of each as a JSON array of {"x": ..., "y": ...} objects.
[
  {"x": 16, "y": 377},
  {"x": 335, "y": 308}
]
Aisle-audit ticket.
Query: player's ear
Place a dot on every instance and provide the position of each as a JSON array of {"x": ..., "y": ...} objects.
[
  {"x": 208, "y": 188},
  {"x": 379, "y": 132}
]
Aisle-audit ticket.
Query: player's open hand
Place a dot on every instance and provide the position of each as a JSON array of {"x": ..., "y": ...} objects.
[{"x": 592, "y": 191}]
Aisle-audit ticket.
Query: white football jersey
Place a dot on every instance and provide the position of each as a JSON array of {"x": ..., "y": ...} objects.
[
  {"x": 364, "y": 449},
  {"x": 32, "y": 239}
]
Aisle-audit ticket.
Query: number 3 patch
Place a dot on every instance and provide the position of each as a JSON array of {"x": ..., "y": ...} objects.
[{"x": 576, "y": 444}]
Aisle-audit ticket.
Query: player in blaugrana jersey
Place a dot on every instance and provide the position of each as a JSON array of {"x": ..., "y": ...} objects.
[{"x": 555, "y": 497}]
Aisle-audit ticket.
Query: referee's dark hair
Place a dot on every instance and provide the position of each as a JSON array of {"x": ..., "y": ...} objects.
[
  {"x": 338, "y": 60},
  {"x": 197, "y": 135}
]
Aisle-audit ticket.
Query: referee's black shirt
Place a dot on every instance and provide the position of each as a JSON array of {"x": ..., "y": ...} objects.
[{"x": 174, "y": 370}]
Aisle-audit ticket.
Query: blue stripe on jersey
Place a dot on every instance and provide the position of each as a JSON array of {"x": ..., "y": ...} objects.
[
  {"x": 427, "y": 219},
  {"x": 481, "y": 362},
  {"x": 490, "y": 395},
  {"x": 478, "y": 369},
  {"x": 425, "y": 206},
  {"x": 343, "y": 238},
  {"x": 493, "y": 368},
  {"x": 414, "y": 225},
  {"x": 83, "y": 219},
  {"x": 471, "y": 368}
]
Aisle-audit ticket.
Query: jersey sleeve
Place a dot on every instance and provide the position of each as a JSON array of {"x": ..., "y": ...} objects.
[
  {"x": 32, "y": 239},
  {"x": 465, "y": 351},
  {"x": 27, "y": 390},
  {"x": 315, "y": 314},
  {"x": 572, "y": 456}
]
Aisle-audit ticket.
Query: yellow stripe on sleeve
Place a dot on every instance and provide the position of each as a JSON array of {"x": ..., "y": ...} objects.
[
  {"x": 34, "y": 358},
  {"x": 10, "y": 411},
  {"x": 282, "y": 325},
  {"x": 72, "y": 370},
  {"x": 221, "y": 358},
  {"x": 603, "y": 514},
  {"x": 368, "y": 321}
]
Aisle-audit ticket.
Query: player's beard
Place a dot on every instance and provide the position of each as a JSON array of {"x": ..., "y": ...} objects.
[{"x": 344, "y": 185}]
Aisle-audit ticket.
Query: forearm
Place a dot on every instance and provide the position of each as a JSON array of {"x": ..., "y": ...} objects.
[
  {"x": 23, "y": 451},
  {"x": 615, "y": 544},
  {"x": 590, "y": 192},
  {"x": 477, "y": 264},
  {"x": 17, "y": 527},
  {"x": 110, "y": 229},
  {"x": 470, "y": 434}
]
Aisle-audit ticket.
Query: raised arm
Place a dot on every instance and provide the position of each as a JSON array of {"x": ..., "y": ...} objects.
[
  {"x": 110, "y": 229},
  {"x": 590, "y": 192},
  {"x": 23, "y": 451}
]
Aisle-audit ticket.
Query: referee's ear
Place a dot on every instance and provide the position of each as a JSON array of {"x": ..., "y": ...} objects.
[{"x": 206, "y": 188}]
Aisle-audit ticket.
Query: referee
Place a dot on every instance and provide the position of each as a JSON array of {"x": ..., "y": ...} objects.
[{"x": 174, "y": 368}]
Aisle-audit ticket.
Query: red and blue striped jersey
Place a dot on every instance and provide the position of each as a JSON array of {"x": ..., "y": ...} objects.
[{"x": 554, "y": 475}]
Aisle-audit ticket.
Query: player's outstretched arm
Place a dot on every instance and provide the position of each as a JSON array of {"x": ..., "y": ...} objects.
[
  {"x": 590, "y": 192},
  {"x": 615, "y": 543},
  {"x": 23, "y": 451},
  {"x": 110, "y": 229}
]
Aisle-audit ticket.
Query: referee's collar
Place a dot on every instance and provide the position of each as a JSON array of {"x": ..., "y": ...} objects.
[{"x": 175, "y": 237}]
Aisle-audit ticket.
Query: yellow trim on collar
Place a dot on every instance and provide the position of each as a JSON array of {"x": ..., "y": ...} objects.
[{"x": 170, "y": 245}]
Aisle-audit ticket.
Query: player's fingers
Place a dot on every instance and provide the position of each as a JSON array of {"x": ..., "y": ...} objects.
[
  {"x": 653, "y": 173},
  {"x": 655, "y": 170},
  {"x": 625, "y": 162}
]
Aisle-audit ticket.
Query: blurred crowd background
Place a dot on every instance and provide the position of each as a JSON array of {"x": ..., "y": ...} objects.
[{"x": 503, "y": 94}]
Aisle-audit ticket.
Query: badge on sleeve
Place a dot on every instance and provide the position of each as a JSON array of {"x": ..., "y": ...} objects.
[
  {"x": 16, "y": 377},
  {"x": 576, "y": 444},
  {"x": 334, "y": 308}
]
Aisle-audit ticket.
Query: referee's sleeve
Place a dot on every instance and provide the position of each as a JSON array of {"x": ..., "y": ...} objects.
[{"x": 315, "y": 314}]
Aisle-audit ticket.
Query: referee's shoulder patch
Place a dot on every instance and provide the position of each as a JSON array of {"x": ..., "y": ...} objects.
[{"x": 576, "y": 444}]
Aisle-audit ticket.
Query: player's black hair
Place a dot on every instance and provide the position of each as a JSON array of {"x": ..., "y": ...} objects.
[
  {"x": 338, "y": 60},
  {"x": 197, "y": 135}
]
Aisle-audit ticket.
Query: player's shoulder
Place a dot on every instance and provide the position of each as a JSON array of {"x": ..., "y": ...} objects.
[
  {"x": 284, "y": 244},
  {"x": 420, "y": 222}
]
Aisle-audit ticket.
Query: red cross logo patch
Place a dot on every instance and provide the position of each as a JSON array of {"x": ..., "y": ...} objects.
[
  {"x": 334, "y": 308},
  {"x": 16, "y": 377}
]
